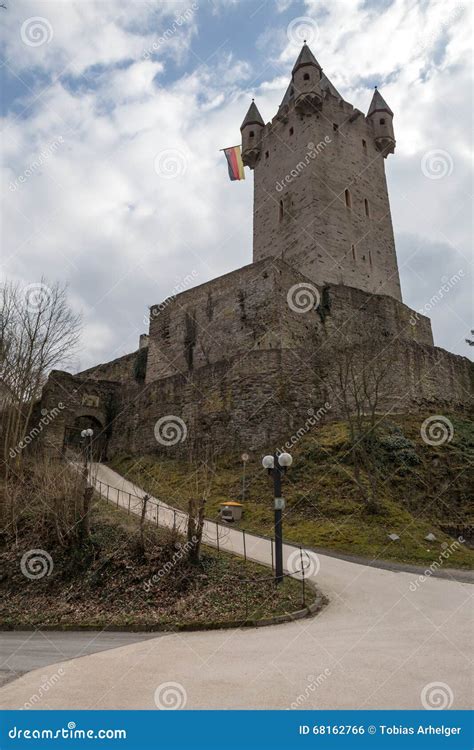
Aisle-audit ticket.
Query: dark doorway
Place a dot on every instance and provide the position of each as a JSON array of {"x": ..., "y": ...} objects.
[{"x": 73, "y": 440}]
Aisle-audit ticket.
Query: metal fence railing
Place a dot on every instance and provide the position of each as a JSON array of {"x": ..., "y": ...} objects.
[{"x": 215, "y": 534}]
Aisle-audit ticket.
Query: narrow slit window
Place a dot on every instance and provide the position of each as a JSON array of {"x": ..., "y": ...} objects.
[
  {"x": 366, "y": 206},
  {"x": 335, "y": 127},
  {"x": 382, "y": 121},
  {"x": 353, "y": 252},
  {"x": 348, "y": 198},
  {"x": 364, "y": 143},
  {"x": 291, "y": 131},
  {"x": 267, "y": 154},
  {"x": 251, "y": 134},
  {"x": 280, "y": 214}
]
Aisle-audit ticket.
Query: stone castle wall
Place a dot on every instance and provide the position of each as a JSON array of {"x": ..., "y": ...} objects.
[
  {"x": 300, "y": 212},
  {"x": 120, "y": 370},
  {"x": 257, "y": 307},
  {"x": 263, "y": 400},
  {"x": 257, "y": 368}
]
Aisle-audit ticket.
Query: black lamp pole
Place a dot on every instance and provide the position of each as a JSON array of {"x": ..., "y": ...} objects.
[{"x": 278, "y": 505}]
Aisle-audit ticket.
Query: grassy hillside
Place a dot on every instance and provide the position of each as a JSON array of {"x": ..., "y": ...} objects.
[{"x": 422, "y": 489}]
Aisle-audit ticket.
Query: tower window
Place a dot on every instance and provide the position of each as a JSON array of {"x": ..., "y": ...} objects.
[
  {"x": 267, "y": 154},
  {"x": 335, "y": 127},
  {"x": 306, "y": 77},
  {"x": 353, "y": 252},
  {"x": 348, "y": 198},
  {"x": 280, "y": 213},
  {"x": 291, "y": 131},
  {"x": 364, "y": 143},
  {"x": 366, "y": 206},
  {"x": 251, "y": 134},
  {"x": 382, "y": 121},
  {"x": 370, "y": 257},
  {"x": 291, "y": 92}
]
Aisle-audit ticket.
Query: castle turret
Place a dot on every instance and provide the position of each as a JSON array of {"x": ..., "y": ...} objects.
[
  {"x": 306, "y": 82},
  {"x": 251, "y": 130},
  {"x": 320, "y": 192},
  {"x": 381, "y": 117}
]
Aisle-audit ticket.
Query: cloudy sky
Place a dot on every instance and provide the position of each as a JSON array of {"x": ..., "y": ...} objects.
[{"x": 114, "y": 112}]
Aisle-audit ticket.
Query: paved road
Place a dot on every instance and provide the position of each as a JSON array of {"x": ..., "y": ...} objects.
[
  {"x": 385, "y": 640},
  {"x": 23, "y": 651}
]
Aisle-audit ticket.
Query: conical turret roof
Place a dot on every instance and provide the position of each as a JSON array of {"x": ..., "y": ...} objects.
[
  {"x": 305, "y": 57},
  {"x": 326, "y": 85},
  {"x": 378, "y": 104},
  {"x": 253, "y": 116}
]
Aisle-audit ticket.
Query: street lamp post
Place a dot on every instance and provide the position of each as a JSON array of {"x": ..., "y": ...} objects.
[
  {"x": 276, "y": 466},
  {"x": 245, "y": 457},
  {"x": 86, "y": 435}
]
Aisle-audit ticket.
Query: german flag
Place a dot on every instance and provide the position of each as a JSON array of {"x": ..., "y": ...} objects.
[{"x": 234, "y": 163}]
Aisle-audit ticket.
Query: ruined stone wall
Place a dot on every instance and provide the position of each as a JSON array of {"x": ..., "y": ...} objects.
[
  {"x": 265, "y": 399},
  {"x": 300, "y": 211},
  {"x": 262, "y": 306},
  {"x": 68, "y": 397},
  {"x": 120, "y": 369}
]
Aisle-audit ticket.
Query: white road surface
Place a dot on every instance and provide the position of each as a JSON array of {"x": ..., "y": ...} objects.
[{"x": 385, "y": 640}]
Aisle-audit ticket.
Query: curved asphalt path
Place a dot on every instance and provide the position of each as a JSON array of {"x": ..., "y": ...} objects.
[{"x": 377, "y": 644}]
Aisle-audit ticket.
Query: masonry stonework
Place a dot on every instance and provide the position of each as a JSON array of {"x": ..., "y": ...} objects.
[{"x": 235, "y": 359}]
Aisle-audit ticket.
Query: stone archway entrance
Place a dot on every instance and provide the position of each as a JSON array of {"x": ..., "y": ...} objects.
[{"x": 73, "y": 440}]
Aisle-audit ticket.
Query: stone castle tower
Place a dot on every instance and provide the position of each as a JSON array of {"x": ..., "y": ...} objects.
[
  {"x": 320, "y": 194},
  {"x": 237, "y": 362}
]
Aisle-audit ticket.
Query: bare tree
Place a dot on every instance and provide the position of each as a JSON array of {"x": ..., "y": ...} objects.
[
  {"x": 38, "y": 331},
  {"x": 204, "y": 476}
]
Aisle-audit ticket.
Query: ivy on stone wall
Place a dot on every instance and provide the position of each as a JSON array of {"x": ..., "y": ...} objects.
[
  {"x": 324, "y": 307},
  {"x": 139, "y": 367}
]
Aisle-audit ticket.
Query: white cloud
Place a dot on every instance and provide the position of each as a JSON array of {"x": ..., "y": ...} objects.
[{"x": 97, "y": 213}]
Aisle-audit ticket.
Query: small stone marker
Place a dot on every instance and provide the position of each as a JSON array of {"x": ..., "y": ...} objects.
[
  {"x": 393, "y": 537},
  {"x": 430, "y": 537}
]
